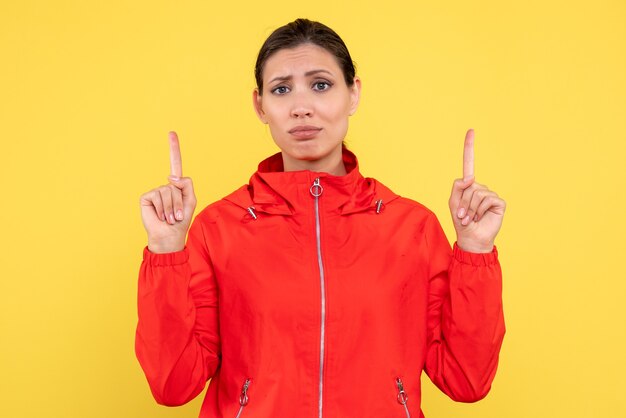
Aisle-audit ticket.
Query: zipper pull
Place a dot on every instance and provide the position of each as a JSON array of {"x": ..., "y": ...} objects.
[
  {"x": 243, "y": 398},
  {"x": 402, "y": 396},
  {"x": 316, "y": 189}
]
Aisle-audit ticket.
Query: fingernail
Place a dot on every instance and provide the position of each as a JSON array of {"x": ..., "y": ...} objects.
[
  {"x": 475, "y": 218},
  {"x": 172, "y": 218},
  {"x": 465, "y": 220},
  {"x": 179, "y": 215},
  {"x": 461, "y": 213}
]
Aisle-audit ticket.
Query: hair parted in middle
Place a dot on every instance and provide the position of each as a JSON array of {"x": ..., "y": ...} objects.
[{"x": 303, "y": 31}]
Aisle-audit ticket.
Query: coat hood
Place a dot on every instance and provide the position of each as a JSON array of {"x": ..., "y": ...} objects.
[{"x": 275, "y": 191}]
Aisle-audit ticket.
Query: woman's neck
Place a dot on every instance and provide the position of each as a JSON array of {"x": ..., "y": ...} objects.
[{"x": 333, "y": 164}]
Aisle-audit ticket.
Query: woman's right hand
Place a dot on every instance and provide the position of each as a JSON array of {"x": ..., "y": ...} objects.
[{"x": 167, "y": 211}]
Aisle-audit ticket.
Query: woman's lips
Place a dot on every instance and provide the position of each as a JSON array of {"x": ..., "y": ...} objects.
[{"x": 305, "y": 131}]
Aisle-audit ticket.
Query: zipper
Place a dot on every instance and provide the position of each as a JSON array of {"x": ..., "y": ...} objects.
[
  {"x": 317, "y": 190},
  {"x": 402, "y": 396},
  {"x": 243, "y": 397}
]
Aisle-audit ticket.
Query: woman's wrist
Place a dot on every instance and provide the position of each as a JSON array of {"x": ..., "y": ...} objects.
[
  {"x": 162, "y": 247},
  {"x": 474, "y": 247}
]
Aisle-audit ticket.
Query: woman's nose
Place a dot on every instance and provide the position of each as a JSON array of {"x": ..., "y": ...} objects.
[{"x": 301, "y": 107}]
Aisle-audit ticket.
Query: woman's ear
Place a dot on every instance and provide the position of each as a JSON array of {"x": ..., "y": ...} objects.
[
  {"x": 355, "y": 95},
  {"x": 257, "y": 102}
]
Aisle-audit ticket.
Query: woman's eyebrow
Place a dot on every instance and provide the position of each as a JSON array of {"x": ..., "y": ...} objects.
[{"x": 307, "y": 74}]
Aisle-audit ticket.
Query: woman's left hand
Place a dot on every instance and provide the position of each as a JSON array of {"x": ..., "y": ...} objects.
[{"x": 477, "y": 212}]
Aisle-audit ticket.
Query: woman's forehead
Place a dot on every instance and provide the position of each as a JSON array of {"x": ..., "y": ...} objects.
[{"x": 302, "y": 60}]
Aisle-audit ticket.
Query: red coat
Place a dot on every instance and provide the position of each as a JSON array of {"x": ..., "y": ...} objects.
[{"x": 302, "y": 306}]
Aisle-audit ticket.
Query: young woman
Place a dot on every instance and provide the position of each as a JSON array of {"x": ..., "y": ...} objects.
[{"x": 314, "y": 291}]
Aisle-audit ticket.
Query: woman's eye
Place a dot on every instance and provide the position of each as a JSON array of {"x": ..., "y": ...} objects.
[
  {"x": 321, "y": 86},
  {"x": 280, "y": 90}
]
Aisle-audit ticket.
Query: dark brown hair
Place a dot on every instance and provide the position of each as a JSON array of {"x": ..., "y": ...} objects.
[{"x": 303, "y": 31}]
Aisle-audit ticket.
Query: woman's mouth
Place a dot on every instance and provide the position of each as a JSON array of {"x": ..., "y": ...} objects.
[{"x": 305, "y": 131}]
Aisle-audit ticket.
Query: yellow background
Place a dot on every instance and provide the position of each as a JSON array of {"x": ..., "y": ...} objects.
[{"x": 89, "y": 90}]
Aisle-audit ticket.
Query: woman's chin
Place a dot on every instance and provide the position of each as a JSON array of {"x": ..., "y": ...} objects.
[
  {"x": 308, "y": 153},
  {"x": 312, "y": 158}
]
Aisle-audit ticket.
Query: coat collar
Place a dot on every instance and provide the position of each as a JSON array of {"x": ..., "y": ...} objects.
[{"x": 274, "y": 191}]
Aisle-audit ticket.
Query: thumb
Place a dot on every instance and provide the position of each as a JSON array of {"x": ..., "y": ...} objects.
[
  {"x": 458, "y": 187},
  {"x": 186, "y": 187}
]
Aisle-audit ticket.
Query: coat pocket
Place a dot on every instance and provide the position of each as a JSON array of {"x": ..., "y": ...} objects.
[
  {"x": 243, "y": 398},
  {"x": 402, "y": 396}
]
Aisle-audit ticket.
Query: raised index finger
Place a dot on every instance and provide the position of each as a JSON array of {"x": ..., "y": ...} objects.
[
  {"x": 176, "y": 164},
  {"x": 468, "y": 154}
]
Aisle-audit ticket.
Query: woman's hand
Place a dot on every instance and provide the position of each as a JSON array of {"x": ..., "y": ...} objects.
[
  {"x": 166, "y": 211},
  {"x": 477, "y": 212}
]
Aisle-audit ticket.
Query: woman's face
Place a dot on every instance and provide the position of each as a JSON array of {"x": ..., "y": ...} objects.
[{"x": 306, "y": 104}]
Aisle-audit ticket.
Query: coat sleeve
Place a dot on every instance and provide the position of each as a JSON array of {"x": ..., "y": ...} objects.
[
  {"x": 177, "y": 338},
  {"x": 465, "y": 317}
]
